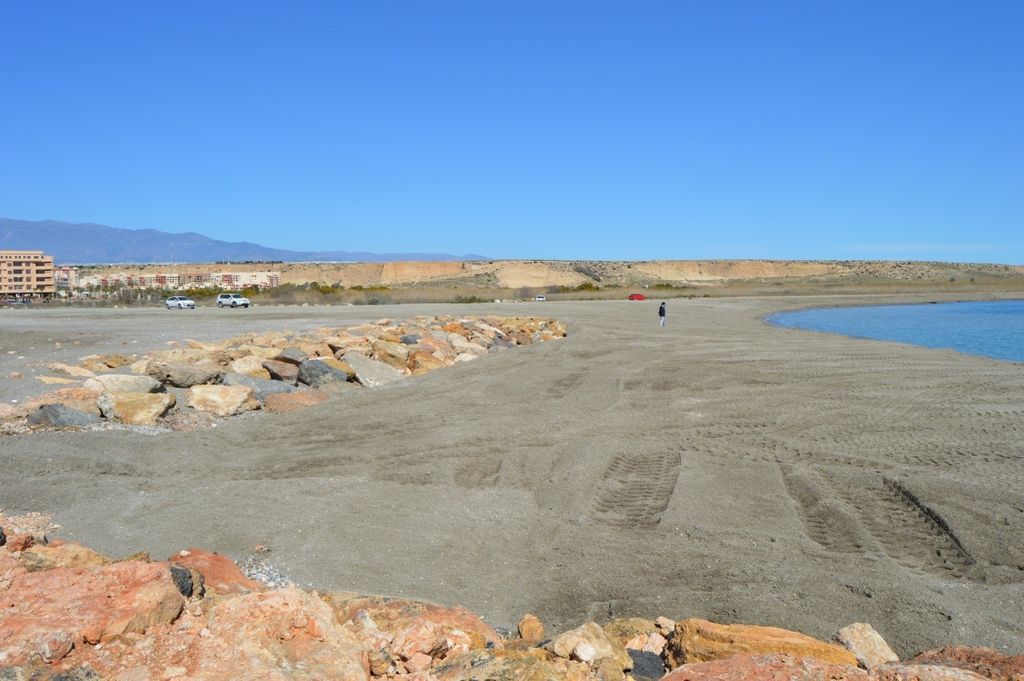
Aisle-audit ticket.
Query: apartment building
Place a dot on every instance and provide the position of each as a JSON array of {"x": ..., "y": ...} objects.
[{"x": 26, "y": 273}]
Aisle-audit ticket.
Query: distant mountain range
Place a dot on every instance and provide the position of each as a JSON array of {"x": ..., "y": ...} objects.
[{"x": 71, "y": 243}]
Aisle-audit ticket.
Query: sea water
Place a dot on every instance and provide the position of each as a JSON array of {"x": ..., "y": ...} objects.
[{"x": 990, "y": 329}]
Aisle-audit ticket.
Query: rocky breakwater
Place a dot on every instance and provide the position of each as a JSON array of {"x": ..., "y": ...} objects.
[
  {"x": 194, "y": 383},
  {"x": 70, "y": 613}
]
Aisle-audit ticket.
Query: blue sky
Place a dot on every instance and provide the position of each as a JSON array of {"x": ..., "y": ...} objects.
[{"x": 675, "y": 129}]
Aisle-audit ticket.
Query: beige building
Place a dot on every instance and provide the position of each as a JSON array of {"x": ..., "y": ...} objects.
[{"x": 26, "y": 273}]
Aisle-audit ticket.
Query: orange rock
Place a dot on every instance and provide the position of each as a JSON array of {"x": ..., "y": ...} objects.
[
  {"x": 62, "y": 554},
  {"x": 512, "y": 664},
  {"x": 19, "y": 542},
  {"x": 531, "y": 629},
  {"x": 220, "y": 574},
  {"x": 282, "y": 403},
  {"x": 455, "y": 327},
  {"x": 393, "y": 354},
  {"x": 923, "y": 672},
  {"x": 10, "y": 567},
  {"x": 81, "y": 399},
  {"x": 422, "y": 362},
  {"x": 412, "y": 626},
  {"x": 748, "y": 667},
  {"x": 697, "y": 640},
  {"x": 984, "y": 661},
  {"x": 267, "y": 636},
  {"x": 44, "y": 614},
  {"x": 418, "y": 662},
  {"x": 340, "y": 366}
]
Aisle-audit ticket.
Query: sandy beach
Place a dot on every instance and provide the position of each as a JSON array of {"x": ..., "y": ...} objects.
[{"x": 718, "y": 468}]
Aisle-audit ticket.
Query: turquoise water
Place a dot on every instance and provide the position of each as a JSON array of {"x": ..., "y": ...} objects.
[{"x": 991, "y": 329}]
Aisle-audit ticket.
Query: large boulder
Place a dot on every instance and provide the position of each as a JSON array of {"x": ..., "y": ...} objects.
[
  {"x": 220, "y": 574},
  {"x": 221, "y": 400},
  {"x": 43, "y": 615},
  {"x": 753, "y": 667},
  {"x": 61, "y": 416},
  {"x": 282, "y": 635},
  {"x": 421, "y": 362},
  {"x": 82, "y": 399},
  {"x": 319, "y": 372},
  {"x": 61, "y": 555},
  {"x": 984, "y": 661},
  {"x": 250, "y": 365},
  {"x": 183, "y": 375},
  {"x": 292, "y": 356},
  {"x": 372, "y": 373},
  {"x": 412, "y": 634},
  {"x": 697, "y": 640},
  {"x": 867, "y": 645},
  {"x": 393, "y": 354},
  {"x": 590, "y": 644},
  {"x": 282, "y": 371},
  {"x": 261, "y": 388},
  {"x": 135, "y": 408},
  {"x": 124, "y": 383}
]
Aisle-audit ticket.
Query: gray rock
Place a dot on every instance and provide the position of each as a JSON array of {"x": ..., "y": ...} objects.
[
  {"x": 61, "y": 416},
  {"x": 316, "y": 373},
  {"x": 124, "y": 383},
  {"x": 182, "y": 579},
  {"x": 370, "y": 372},
  {"x": 646, "y": 666},
  {"x": 410, "y": 338},
  {"x": 292, "y": 356},
  {"x": 183, "y": 375},
  {"x": 261, "y": 387},
  {"x": 499, "y": 344}
]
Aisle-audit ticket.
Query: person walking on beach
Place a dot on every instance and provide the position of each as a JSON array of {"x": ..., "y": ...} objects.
[{"x": 661, "y": 314}]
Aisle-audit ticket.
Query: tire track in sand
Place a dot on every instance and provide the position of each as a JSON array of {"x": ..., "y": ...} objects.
[
  {"x": 826, "y": 523},
  {"x": 911, "y": 533},
  {"x": 636, "y": 488}
]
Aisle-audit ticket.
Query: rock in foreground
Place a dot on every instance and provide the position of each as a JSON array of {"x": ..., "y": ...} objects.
[{"x": 69, "y": 613}]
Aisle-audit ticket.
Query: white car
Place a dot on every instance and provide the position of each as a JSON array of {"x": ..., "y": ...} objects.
[
  {"x": 232, "y": 300},
  {"x": 180, "y": 303},
  {"x": 540, "y": 299}
]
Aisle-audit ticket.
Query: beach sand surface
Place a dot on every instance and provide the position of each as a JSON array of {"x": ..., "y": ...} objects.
[{"x": 719, "y": 468}]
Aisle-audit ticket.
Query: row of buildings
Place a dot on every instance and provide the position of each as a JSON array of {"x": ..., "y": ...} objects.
[
  {"x": 28, "y": 274},
  {"x": 71, "y": 278}
]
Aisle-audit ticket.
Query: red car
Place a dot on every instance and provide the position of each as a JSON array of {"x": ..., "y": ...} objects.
[{"x": 637, "y": 296}]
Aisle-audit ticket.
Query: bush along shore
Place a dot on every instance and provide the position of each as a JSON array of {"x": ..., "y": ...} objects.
[
  {"x": 68, "y": 613},
  {"x": 193, "y": 384}
]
